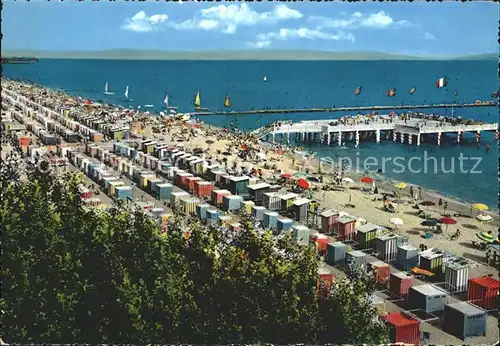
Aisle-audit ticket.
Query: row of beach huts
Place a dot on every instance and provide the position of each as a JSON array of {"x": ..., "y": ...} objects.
[{"x": 157, "y": 167}]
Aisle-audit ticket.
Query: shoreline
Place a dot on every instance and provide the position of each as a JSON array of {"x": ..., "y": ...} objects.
[{"x": 383, "y": 182}]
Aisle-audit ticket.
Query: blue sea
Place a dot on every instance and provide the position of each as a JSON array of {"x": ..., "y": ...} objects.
[{"x": 299, "y": 84}]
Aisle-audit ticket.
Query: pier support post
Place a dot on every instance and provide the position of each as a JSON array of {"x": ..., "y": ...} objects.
[
  {"x": 478, "y": 136},
  {"x": 394, "y": 136},
  {"x": 439, "y": 138},
  {"x": 303, "y": 137},
  {"x": 418, "y": 140},
  {"x": 496, "y": 135},
  {"x": 340, "y": 138},
  {"x": 459, "y": 137},
  {"x": 328, "y": 138},
  {"x": 357, "y": 138},
  {"x": 274, "y": 138},
  {"x": 402, "y": 138},
  {"x": 377, "y": 135},
  {"x": 410, "y": 138},
  {"x": 288, "y": 138}
]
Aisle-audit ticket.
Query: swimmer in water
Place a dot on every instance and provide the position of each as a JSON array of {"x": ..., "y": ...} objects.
[{"x": 488, "y": 148}]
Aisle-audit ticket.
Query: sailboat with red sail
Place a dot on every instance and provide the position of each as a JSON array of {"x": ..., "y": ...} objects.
[{"x": 391, "y": 92}]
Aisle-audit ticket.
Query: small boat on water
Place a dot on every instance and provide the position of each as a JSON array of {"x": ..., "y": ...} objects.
[
  {"x": 265, "y": 79},
  {"x": 495, "y": 94},
  {"x": 197, "y": 103},
  {"x": 227, "y": 102},
  {"x": 412, "y": 91},
  {"x": 106, "y": 90},
  {"x": 148, "y": 106},
  {"x": 166, "y": 101},
  {"x": 391, "y": 92},
  {"x": 126, "y": 94},
  {"x": 357, "y": 91}
]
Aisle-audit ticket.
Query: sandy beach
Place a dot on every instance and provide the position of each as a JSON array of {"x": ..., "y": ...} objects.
[{"x": 222, "y": 145}]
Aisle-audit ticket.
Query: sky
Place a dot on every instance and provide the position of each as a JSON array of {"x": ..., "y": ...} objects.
[{"x": 417, "y": 28}]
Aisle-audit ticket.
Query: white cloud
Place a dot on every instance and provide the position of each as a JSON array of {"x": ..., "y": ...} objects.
[
  {"x": 379, "y": 20},
  {"x": 429, "y": 36},
  {"x": 142, "y": 23},
  {"x": 229, "y": 18},
  {"x": 284, "y": 34}
]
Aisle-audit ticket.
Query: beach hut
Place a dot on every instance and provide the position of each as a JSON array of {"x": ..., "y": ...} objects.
[
  {"x": 300, "y": 208},
  {"x": 188, "y": 204},
  {"x": 212, "y": 215},
  {"x": 382, "y": 271},
  {"x": 218, "y": 196},
  {"x": 325, "y": 278},
  {"x": 456, "y": 275},
  {"x": 163, "y": 191},
  {"x": 335, "y": 253},
  {"x": 400, "y": 283},
  {"x": 428, "y": 298},
  {"x": 106, "y": 179},
  {"x": 232, "y": 202},
  {"x": 403, "y": 328},
  {"x": 144, "y": 178},
  {"x": 386, "y": 246},
  {"x": 464, "y": 320},
  {"x": 346, "y": 228},
  {"x": 271, "y": 201},
  {"x": 300, "y": 234},
  {"x": 247, "y": 206},
  {"x": 320, "y": 241},
  {"x": 112, "y": 187},
  {"x": 153, "y": 185},
  {"x": 483, "y": 292},
  {"x": 407, "y": 257},
  {"x": 201, "y": 210},
  {"x": 432, "y": 260},
  {"x": 202, "y": 188},
  {"x": 190, "y": 183},
  {"x": 356, "y": 259},
  {"x": 287, "y": 200},
  {"x": 270, "y": 219},
  {"x": 258, "y": 212},
  {"x": 238, "y": 186},
  {"x": 329, "y": 220},
  {"x": 366, "y": 235},
  {"x": 181, "y": 179},
  {"x": 284, "y": 224},
  {"x": 175, "y": 196},
  {"x": 217, "y": 176},
  {"x": 257, "y": 191}
]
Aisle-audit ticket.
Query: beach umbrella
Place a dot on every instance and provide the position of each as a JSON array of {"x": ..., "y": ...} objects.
[
  {"x": 396, "y": 221},
  {"x": 428, "y": 223},
  {"x": 300, "y": 175},
  {"x": 286, "y": 176},
  {"x": 427, "y": 203},
  {"x": 210, "y": 141},
  {"x": 366, "y": 180},
  {"x": 400, "y": 185},
  {"x": 447, "y": 221},
  {"x": 479, "y": 206},
  {"x": 304, "y": 184},
  {"x": 311, "y": 178},
  {"x": 484, "y": 218},
  {"x": 486, "y": 237},
  {"x": 348, "y": 180}
]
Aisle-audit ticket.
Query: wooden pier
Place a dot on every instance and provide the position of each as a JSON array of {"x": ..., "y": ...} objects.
[
  {"x": 348, "y": 109},
  {"x": 410, "y": 131}
]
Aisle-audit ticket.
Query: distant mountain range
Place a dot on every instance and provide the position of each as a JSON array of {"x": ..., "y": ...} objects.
[{"x": 131, "y": 54}]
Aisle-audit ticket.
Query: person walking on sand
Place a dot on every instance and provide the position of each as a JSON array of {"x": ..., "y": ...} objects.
[
  {"x": 440, "y": 203},
  {"x": 445, "y": 206},
  {"x": 412, "y": 193}
]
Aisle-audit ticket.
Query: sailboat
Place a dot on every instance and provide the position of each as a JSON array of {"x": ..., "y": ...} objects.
[
  {"x": 227, "y": 102},
  {"x": 412, "y": 91},
  {"x": 357, "y": 91},
  {"x": 265, "y": 79},
  {"x": 126, "y": 94},
  {"x": 106, "y": 90},
  {"x": 197, "y": 103},
  {"x": 165, "y": 102}
]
